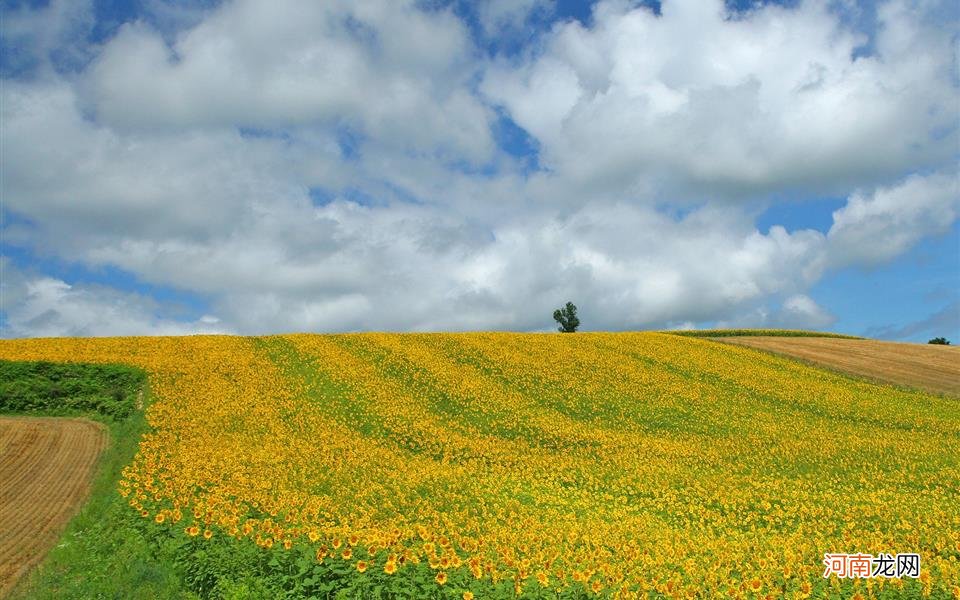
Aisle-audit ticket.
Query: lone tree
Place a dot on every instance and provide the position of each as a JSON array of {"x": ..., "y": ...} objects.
[
  {"x": 940, "y": 340},
  {"x": 567, "y": 317}
]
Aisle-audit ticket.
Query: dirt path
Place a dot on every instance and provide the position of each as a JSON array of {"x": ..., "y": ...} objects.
[
  {"x": 925, "y": 366},
  {"x": 45, "y": 469}
]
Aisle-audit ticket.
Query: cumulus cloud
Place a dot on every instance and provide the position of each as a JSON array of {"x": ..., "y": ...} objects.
[
  {"x": 332, "y": 167},
  {"x": 499, "y": 17},
  {"x": 44, "y": 39},
  {"x": 874, "y": 228},
  {"x": 41, "y": 306},
  {"x": 389, "y": 71},
  {"x": 798, "y": 311},
  {"x": 711, "y": 103}
]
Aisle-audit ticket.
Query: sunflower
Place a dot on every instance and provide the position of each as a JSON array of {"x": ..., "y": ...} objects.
[
  {"x": 468, "y": 595},
  {"x": 159, "y": 518},
  {"x": 361, "y": 565},
  {"x": 390, "y": 568},
  {"x": 441, "y": 577}
]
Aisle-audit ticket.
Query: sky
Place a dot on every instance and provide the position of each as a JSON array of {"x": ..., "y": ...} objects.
[{"x": 266, "y": 166}]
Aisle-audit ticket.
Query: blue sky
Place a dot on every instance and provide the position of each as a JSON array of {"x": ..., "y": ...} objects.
[{"x": 249, "y": 167}]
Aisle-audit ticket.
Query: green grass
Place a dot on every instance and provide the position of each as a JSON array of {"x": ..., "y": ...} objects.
[
  {"x": 759, "y": 332},
  {"x": 105, "y": 551}
]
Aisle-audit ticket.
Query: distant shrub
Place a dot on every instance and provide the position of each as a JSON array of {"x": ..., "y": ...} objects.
[{"x": 942, "y": 341}]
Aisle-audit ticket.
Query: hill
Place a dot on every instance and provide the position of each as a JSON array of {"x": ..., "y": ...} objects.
[{"x": 610, "y": 463}]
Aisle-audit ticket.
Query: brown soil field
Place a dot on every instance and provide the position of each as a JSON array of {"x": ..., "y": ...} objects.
[
  {"x": 924, "y": 366},
  {"x": 46, "y": 465}
]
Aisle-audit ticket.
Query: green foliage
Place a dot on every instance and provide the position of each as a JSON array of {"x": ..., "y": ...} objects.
[
  {"x": 567, "y": 318},
  {"x": 56, "y": 389},
  {"x": 106, "y": 551},
  {"x": 940, "y": 341},
  {"x": 758, "y": 332}
]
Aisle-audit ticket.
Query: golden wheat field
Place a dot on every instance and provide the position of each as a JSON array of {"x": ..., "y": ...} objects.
[{"x": 609, "y": 464}]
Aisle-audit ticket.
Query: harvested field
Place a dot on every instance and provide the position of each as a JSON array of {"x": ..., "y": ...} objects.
[
  {"x": 925, "y": 366},
  {"x": 45, "y": 469}
]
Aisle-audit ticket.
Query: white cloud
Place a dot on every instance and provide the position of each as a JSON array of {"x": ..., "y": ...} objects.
[
  {"x": 48, "y": 37},
  {"x": 873, "y": 228},
  {"x": 139, "y": 163},
  {"x": 500, "y": 17},
  {"x": 800, "y": 311},
  {"x": 707, "y": 104},
  {"x": 385, "y": 69},
  {"x": 797, "y": 311},
  {"x": 40, "y": 306}
]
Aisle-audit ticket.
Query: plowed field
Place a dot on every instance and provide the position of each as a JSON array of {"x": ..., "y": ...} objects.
[
  {"x": 924, "y": 366},
  {"x": 45, "y": 470}
]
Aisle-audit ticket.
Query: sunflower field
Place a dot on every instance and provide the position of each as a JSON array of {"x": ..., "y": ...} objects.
[{"x": 499, "y": 465}]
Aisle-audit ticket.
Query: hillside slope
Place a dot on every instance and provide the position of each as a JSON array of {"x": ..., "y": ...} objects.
[{"x": 488, "y": 462}]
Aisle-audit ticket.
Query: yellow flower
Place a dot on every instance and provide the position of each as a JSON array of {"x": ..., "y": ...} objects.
[
  {"x": 477, "y": 444},
  {"x": 441, "y": 577},
  {"x": 361, "y": 565}
]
